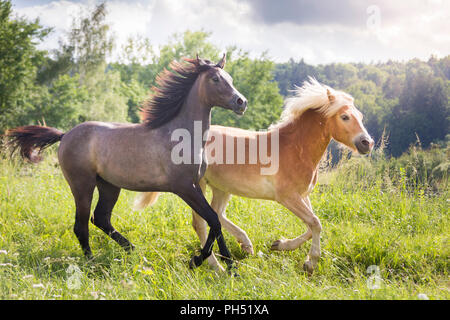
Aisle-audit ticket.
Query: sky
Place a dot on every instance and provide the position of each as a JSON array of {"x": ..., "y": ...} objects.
[{"x": 319, "y": 32}]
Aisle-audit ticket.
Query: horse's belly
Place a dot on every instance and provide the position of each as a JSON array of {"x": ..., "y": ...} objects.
[
  {"x": 242, "y": 183},
  {"x": 138, "y": 183}
]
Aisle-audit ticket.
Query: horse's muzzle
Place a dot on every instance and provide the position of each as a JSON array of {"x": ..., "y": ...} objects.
[
  {"x": 364, "y": 143},
  {"x": 240, "y": 105}
]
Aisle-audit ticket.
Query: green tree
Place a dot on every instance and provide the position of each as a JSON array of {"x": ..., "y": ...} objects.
[
  {"x": 254, "y": 78},
  {"x": 292, "y": 73},
  {"x": 18, "y": 65},
  {"x": 139, "y": 65},
  {"x": 90, "y": 42},
  {"x": 422, "y": 111},
  {"x": 61, "y": 104},
  {"x": 187, "y": 44},
  {"x": 136, "y": 58}
]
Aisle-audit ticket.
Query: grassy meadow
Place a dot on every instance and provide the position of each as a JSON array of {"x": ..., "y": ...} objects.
[{"x": 385, "y": 236}]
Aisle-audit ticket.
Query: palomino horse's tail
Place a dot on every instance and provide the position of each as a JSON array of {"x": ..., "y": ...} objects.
[
  {"x": 145, "y": 199},
  {"x": 31, "y": 140}
]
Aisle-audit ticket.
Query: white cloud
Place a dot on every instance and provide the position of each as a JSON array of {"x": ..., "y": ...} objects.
[
  {"x": 128, "y": 18},
  {"x": 405, "y": 31},
  {"x": 56, "y": 14}
]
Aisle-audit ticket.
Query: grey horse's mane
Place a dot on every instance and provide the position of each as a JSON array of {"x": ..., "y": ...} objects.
[{"x": 171, "y": 90}]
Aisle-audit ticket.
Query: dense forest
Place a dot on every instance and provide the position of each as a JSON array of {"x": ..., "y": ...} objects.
[{"x": 79, "y": 81}]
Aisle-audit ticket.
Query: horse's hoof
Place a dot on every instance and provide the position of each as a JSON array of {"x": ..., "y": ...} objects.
[
  {"x": 129, "y": 248},
  {"x": 276, "y": 245},
  {"x": 247, "y": 248},
  {"x": 232, "y": 271},
  {"x": 195, "y": 262},
  {"x": 307, "y": 266},
  {"x": 89, "y": 256}
]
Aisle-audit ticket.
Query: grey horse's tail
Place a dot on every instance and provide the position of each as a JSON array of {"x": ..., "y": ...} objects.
[{"x": 31, "y": 140}]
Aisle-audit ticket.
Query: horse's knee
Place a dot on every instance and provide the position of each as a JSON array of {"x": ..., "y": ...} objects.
[
  {"x": 101, "y": 222},
  {"x": 315, "y": 225}
]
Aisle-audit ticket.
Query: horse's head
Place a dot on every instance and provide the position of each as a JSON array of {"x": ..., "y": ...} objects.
[
  {"x": 346, "y": 124},
  {"x": 216, "y": 86}
]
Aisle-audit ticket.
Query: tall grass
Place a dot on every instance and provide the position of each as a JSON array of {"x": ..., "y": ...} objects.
[{"x": 385, "y": 222}]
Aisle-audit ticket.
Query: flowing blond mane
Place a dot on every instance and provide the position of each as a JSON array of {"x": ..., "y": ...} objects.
[{"x": 312, "y": 95}]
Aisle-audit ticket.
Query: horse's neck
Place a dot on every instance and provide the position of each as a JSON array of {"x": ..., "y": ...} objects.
[
  {"x": 192, "y": 113},
  {"x": 308, "y": 137}
]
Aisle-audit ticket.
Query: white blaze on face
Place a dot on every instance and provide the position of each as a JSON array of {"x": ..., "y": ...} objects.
[
  {"x": 226, "y": 76},
  {"x": 358, "y": 116}
]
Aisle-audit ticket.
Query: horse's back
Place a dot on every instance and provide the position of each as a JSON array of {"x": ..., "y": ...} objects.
[
  {"x": 231, "y": 131},
  {"x": 79, "y": 139}
]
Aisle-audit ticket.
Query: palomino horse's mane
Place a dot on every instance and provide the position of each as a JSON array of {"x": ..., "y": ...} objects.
[
  {"x": 312, "y": 95},
  {"x": 171, "y": 90}
]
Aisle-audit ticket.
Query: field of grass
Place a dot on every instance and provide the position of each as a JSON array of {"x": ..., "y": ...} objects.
[{"x": 378, "y": 242}]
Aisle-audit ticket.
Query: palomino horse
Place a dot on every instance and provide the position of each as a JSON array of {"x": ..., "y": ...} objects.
[
  {"x": 314, "y": 116},
  {"x": 111, "y": 156}
]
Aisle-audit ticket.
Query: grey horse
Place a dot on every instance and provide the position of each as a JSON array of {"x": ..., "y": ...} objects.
[{"x": 137, "y": 157}]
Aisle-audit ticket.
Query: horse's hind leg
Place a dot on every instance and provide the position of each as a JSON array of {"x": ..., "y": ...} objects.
[
  {"x": 108, "y": 195},
  {"x": 82, "y": 190}
]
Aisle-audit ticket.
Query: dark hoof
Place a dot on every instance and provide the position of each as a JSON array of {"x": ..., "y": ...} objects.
[
  {"x": 307, "y": 266},
  {"x": 233, "y": 272},
  {"x": 232, "y": 269},
  {"x": 195, "y": 262},
  {"x": 129, "y": 248},
  {"x": 88, "y": 255}
]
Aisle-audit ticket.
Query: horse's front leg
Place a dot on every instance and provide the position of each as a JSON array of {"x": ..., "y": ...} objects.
[
  {"x": 200, "y": 228},
  {"x": 194, "y": 197},
  {"x": 292, "y": 244},
  {"x": 301, "y": 207}
]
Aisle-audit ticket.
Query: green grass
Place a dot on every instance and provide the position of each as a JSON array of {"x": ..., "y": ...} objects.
[{"x": 404, "y": 233}]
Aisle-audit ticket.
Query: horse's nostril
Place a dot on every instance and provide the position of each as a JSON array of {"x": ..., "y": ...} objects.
[
  {"x": 240, "y": 101},
  {"x": 365, "y": 142}
]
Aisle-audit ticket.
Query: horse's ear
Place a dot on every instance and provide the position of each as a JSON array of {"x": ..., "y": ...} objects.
[
  {"x": 331, "y": 97},
  {"x": 221, "y": 63},
  {"x": 197, "y": 61},
  {"x": 201, "y": 62},
  {"x": 193, "y": 61}
]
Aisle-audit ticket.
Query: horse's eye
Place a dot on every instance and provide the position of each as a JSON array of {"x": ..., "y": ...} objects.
[
  {"x": 215, "y": 79},
  {"x": 345, "y": 117}
]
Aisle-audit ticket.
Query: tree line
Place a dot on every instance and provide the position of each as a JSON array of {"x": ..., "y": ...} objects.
[{"x": 78, "y": 82}]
